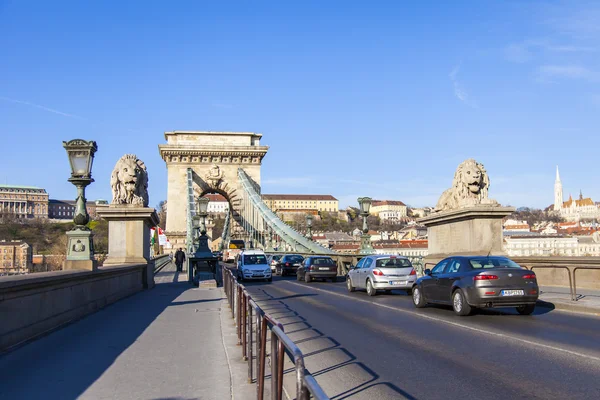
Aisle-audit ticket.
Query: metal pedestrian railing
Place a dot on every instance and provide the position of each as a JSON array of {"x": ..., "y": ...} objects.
[{"x": 248, "y": 314}]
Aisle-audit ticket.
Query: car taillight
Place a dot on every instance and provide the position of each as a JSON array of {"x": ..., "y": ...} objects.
[
  {"x": 484, "y": 277},
  {"x": 377, "y": 272},
  {"x": 287, "y": 264},
  {"x": 413, "y": 272},
  {"x": 529, "y": 276}
]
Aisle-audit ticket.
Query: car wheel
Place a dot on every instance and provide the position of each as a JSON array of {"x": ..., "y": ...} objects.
[
  {"x": 526, "y": 309},
  {"x": 418, "y": 299},
  {"x": 307, "y": 278},
  {"x": 334, "y": 280},
  {"x": 270, "y": 279},
  {"x": 349, "y": 285},
  {"x": 459, "y": 303},
  {"x": 371, "y": 291}
]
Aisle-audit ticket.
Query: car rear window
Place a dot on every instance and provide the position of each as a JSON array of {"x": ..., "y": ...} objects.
[
  {"x": 253, "y": 259},
  {"x": 393, "y": 263},
  {"x": 323, "y": 261},
  {"x": 294, "y": 258},
  {"x": 493, "y": 262}
]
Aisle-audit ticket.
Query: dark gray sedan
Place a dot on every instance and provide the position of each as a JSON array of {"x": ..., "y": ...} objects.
[
  {"x": 477, "y": 282},
  {"x": 317, "y": 267}
]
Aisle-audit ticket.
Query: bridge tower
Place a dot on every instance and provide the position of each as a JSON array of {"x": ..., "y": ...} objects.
[{"x": 214, "y": 158}]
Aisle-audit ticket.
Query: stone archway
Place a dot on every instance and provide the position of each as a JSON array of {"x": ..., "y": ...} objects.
[{"x": 214, "y": 158}]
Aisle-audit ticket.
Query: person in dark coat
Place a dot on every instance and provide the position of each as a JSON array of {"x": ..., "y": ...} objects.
[{"x": 179, "y": 259}]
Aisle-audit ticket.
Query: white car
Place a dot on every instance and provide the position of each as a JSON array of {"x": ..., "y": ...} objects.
[
  {"x": 273, "y": 261},
  {"x": 252, "y": 265}
]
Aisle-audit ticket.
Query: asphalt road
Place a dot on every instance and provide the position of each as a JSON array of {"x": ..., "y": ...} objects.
[{"x": 381, "y": 347}]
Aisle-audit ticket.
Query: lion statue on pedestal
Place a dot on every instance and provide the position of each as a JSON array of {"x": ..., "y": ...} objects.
[
  {"x": 469, "y": 188},
  {"x": 129, "y": 182}
]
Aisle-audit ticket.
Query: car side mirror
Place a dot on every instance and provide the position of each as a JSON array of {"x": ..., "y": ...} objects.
[
  {"x": 427, "y": 271},
  {"x": 352, "y": 266}
]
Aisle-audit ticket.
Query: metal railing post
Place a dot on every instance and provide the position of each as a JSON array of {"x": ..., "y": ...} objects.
[
  {"x": 262, "y": 358},
  {"x": 249, "y": 351},
  {"x": 244, "y": 326},
  {"x": 239, "y": 314},
  {"x": 274, "y": 374}
]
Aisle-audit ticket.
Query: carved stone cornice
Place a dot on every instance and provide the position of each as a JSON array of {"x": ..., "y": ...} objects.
[{"x": 216, "y": 154}]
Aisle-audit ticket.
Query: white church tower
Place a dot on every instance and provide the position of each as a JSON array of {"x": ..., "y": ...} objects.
[{"x": 558, "y": 192}]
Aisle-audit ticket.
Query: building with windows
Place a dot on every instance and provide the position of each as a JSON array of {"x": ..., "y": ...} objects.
[
  {"x": 23, "y": 201},
  {"x": 218, "y": 204},
  {"x": 16, "y": 257},
  {"x": 389, "y": 210},
  {"x": 573, "y": 210},
  {"x": 553, "y": 245},
  {"x": 65, "y": 209},
  {"x": 301, "y": 202}
]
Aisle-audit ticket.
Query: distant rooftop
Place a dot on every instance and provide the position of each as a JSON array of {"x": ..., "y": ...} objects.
[{"x": 19, "y": 187}]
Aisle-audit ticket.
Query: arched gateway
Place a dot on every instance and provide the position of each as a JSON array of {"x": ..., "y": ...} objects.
[{"x": 214, "y": 158}]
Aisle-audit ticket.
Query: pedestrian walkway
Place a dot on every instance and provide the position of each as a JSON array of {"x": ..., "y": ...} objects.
[
  {"x": 172, "y": 342},
  {"x": 588, "y": 300}
]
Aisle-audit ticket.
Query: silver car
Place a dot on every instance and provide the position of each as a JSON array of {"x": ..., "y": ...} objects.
[{"x": 381, "y": 272}]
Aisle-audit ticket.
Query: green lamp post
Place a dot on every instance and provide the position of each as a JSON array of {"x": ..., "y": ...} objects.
[
  {"x": 365, "y": 239},
  {"x": 80, "y": 244}
]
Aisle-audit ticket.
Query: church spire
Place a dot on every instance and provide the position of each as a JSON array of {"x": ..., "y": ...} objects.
[{"x": 558, "y": 192}]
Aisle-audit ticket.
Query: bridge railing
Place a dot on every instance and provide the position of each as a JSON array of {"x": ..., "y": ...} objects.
[
  {"x": 160, "y": 262},
  {"x": 548, "y": 266},
  {"x": 243, "y": 310}
]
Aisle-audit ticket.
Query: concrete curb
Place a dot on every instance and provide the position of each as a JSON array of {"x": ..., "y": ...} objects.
[{"x": 569, "y": 307}]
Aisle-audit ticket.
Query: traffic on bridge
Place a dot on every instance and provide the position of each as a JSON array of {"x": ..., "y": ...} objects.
[{"x": 382, "y": 347}]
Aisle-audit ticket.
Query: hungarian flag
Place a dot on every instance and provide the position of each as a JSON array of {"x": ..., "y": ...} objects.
[{"x": 152, "y": 236}]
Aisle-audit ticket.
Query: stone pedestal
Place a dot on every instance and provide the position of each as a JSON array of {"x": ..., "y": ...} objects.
[
  {"x": 80, "y": 251},
  {"x": 473, "y": 230},
  {"x": 129, "y": 236}
]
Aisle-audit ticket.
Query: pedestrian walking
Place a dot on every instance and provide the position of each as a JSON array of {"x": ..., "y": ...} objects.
[{"x": 179, "y": 259}]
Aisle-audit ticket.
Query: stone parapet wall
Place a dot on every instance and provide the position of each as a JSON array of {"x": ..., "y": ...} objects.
[
  {"x": 33, "y": 305},
  {"x": 579, "y": 267}
]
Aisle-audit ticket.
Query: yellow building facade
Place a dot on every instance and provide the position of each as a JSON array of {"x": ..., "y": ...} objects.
[{"x": 301, "y": 202}]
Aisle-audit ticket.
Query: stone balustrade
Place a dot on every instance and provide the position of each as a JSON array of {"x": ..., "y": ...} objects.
[{"x": 35, "y": 304}]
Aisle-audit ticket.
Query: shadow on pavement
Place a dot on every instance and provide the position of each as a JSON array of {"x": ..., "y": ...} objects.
[
  {"x": 66, "y": 362},
  {"x": 332, "y": 362}
]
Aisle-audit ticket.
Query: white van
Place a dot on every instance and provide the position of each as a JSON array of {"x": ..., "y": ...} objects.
[{"x": 252, "y": 264}]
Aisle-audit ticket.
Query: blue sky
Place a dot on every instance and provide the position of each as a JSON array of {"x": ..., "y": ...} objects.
[{"x": 380, "y": 99}]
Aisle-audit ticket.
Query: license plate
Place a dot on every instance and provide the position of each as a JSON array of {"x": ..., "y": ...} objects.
[
  {"x": 512, "y": 293},
  {"x": 323, "y": 269},
  {"x": 397, "y": 282}
]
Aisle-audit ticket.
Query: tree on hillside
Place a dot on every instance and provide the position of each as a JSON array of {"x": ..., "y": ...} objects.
[{"x": 161, "y": 210}]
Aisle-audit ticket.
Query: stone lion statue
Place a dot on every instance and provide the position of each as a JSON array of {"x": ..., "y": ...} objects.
[
  {"x": 469, "y": 187},
  {"x": 129, "y": 181}
]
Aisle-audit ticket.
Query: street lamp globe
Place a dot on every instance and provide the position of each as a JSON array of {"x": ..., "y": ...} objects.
[
  {"x": 202, "y": 205},
  {"x": 365, "y": 204},
  {"x": 81, "y": 157},
  {"x": 309, "y": 219}
]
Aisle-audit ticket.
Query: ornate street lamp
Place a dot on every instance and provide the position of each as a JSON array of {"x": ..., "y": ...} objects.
[
  {"x": 80, "y": 250},
  {"x": 202, "y": 212},
  {"x": 203, "y": 260},
  {"x": 309, "y": 219},
  {"x": 365, "y": 239}
]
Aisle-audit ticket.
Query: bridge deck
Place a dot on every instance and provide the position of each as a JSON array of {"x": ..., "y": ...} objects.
[{"x": 163, "y": 343}]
